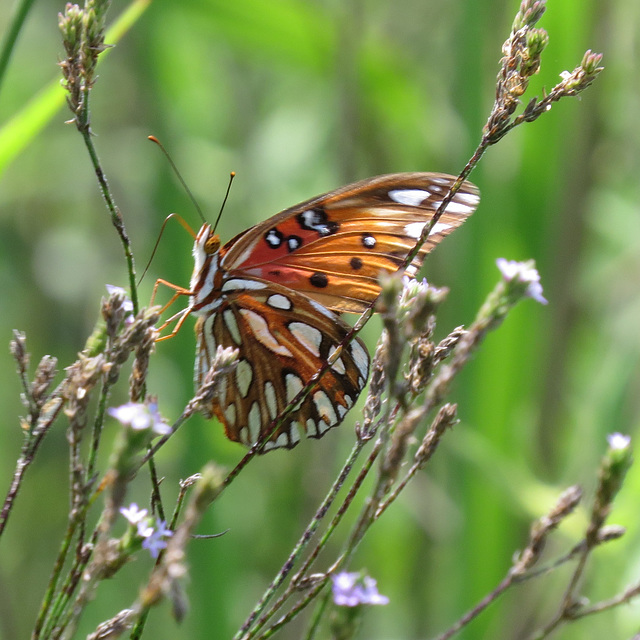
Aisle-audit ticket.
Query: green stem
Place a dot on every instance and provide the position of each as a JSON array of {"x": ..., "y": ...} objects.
[
  {"x": 116, "y": 216},
  {"x": 11, "y": 37}
]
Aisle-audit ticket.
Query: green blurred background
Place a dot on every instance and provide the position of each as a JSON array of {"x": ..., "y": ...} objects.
[{"x": 298, "y": 98}]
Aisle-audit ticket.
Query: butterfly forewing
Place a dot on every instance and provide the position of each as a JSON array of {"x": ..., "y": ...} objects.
[
  {"x": 334, "y": 247},
  {"x": 283, "y": 339}
]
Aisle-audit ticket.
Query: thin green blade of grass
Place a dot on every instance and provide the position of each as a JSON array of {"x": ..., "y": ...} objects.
[{"x": 25, "y": 125}]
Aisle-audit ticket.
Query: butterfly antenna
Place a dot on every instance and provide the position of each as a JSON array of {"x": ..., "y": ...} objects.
[
  {"x": 179, "y": 176},
  {"x": 232, "y": 175},
  {"x": 183, "y": 222}
]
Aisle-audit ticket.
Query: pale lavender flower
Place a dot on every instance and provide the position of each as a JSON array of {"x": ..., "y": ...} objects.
[
  {"x": 133, "y": 513},
  {"x": 145, "y": 528},
  {"x": 155, "y": 541},
  {"x": 127, "y": 305},
  {"x": 618, "y": 441},
  {"x": 140, "y": 416},
  {"x": 524, "y": 273},
  {"x": 353, "y": 589},
  {"x": 411, "y": 288}
]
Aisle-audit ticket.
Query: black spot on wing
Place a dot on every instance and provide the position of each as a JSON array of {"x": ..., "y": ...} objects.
[{"x": 319, "y": 280}]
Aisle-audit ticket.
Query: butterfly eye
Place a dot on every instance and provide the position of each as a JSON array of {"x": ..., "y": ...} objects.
[{"x": 212, "y": 244}]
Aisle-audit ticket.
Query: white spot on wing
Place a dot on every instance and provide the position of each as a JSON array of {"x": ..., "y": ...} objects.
[
  {"x": 240, "y": 284},
  {"x": 470, "y": 199},
  {"x": 278, "y": 301},
  {"x": 261, "y": 331},
  {"x": 361, "y": 358},
  {"x": 341, "y": 411},
  {"x": 244, "y": 376},
  {"x": 312, "y": 429},
  {"x": 294, "y": 432},
  {"x": 369, "y": 242},
  {"x": 230, "y": 415},
  {"x": 338, "y": 365},
  {"x": 270, "y": 398},
  {"x": 410, "y": 197},
  {"x": 309, "y": 337},
  {"x": 294, "y": 386},
  {"x": 414, "y": 229},
  {"x": 441, "y": 181},
  {"x": 439, "y": 227},
  {"x": 273, "y": 239},
  {"x": 323, "y": 310},
  {"x": 253, "y": 423},
  {"x": 232, "y": 325},
  {"x": 325, "y": 408},
  {"x": 458, "y": 207}
]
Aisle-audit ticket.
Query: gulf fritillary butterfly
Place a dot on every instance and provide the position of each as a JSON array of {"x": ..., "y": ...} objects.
[{"x": 274, "y": 292}]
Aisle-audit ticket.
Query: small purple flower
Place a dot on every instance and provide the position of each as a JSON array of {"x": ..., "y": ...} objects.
[
  {"x": 133, "y": 513},
  {"x": 353, "y": 589},
  {"x": 524, "y": 273},
  {"x": 618, "y": 441},
  {"x": 140, "y": 417},
  {"x": 155, "y": 541}
]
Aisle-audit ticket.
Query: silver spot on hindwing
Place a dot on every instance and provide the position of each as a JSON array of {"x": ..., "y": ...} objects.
[
  {"x": 360, "y": 357},
  {"x": 323, "y": 310},
  {"x": 240, "y": 284},
  {"x": 312, "y": 428},
  {"x": 230, "y": 415},
  {"x": 294, "y": 432},
  {"x": 270, "y": 399},
  {"x": 253, "y": 424},
  {"x": 309, "y": 337},
  {"x": 261, "y": 331},
  {"x": 325, "y": 407},
  {"x": 278, "y": 301},
  {"x": 293, "y": 385},
  {"x": 244, "y": 377},
  {"x": 338, "y": 365},
  {"x": 231, "y": 323}
]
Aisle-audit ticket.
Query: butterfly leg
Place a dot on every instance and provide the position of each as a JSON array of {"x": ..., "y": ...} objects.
[{"x": 181, "y": 315}]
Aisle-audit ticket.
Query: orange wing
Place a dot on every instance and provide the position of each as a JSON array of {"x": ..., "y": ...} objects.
[{"x": 333, "y": 247}]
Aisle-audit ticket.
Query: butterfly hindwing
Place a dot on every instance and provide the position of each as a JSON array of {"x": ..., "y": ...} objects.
[{"x": 283, "y": 338}]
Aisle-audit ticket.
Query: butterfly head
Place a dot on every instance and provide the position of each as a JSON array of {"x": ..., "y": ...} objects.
[{"x": 205, "y": 250}]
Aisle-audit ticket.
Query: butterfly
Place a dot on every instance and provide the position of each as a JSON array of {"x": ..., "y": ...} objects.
[{"x": 274, "y": 292}]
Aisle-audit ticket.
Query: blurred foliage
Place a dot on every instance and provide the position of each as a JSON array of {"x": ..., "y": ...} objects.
[{"x": 298, "y": 98}]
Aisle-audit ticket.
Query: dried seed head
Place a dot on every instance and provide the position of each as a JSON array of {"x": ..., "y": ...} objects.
[{"x": 45, "y": 373}]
